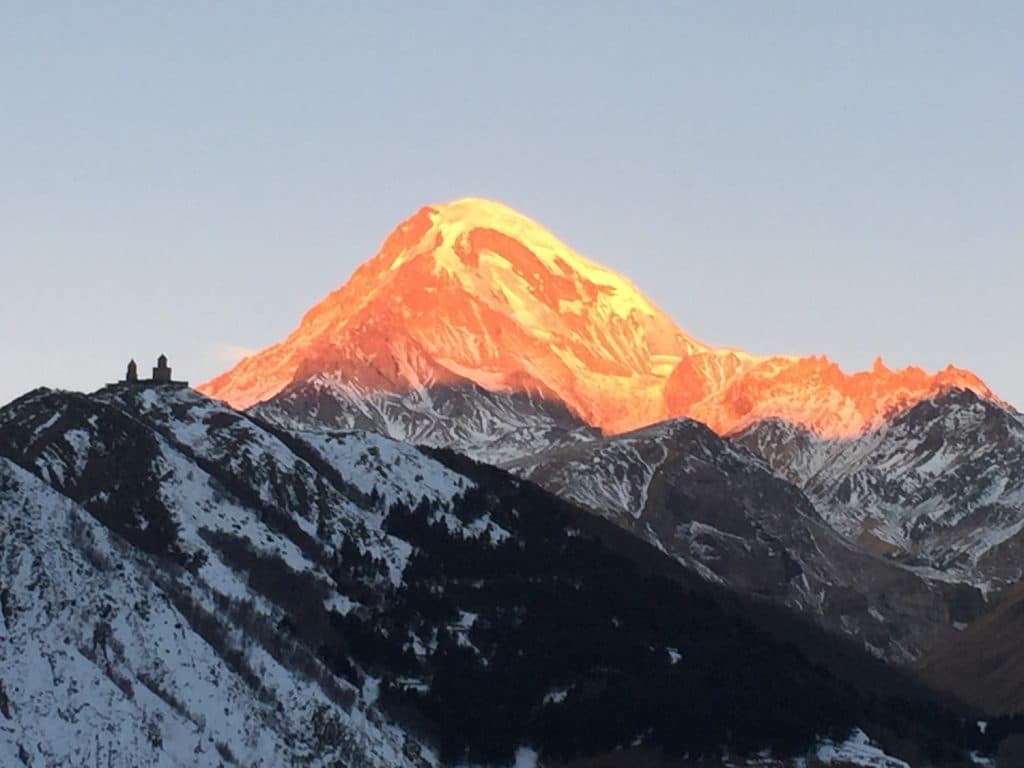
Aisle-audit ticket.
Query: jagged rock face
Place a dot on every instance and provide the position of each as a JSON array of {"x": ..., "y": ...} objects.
[
  {"x": 494, "y": 427},
  {"x": 723, "y": 512},
  {"x": 810, "y": 392},
  {"x": 940, "y": 487},
  {"x": 474, "y": 293},
  {"x": 183, "y": 584}
]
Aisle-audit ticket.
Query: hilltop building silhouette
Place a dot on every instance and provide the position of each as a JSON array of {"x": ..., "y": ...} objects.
[{"x": 161, "y": 375}]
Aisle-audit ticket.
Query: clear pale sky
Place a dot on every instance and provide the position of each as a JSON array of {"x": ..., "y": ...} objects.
[{"x": 791, "y": 177}]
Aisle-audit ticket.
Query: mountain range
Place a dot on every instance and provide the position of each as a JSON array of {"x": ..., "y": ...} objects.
[
  {"x": 489, "y": 504},
  {"x": 475, "y": 329},
  {"x": 474, "y": 293}
]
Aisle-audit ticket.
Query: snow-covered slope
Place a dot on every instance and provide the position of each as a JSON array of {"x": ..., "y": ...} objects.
[
  {"x": 940, "y": 487},
  {"x": 183, "y": 584},
  {"x": 495, "y": 427},
  {"x": 857, "y": 749},
  {"x": 172, "y": 623},
  {"x": 108, "y": 659},
  {"x": 722, "y": 511},
  {"x": 473, "y": 293}
]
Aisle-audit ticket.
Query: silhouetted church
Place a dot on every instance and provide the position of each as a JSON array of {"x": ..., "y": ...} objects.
[{"x": 161, "y": 374}]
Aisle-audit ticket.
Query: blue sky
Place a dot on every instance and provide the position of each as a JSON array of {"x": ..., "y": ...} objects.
[{"x": 793, "y": 177}]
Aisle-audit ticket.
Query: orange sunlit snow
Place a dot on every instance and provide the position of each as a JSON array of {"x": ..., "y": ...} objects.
[{"x": 474, "y": 291}]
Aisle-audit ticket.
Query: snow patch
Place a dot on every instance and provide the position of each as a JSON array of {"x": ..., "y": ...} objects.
[{"x": 857, "y": 750}]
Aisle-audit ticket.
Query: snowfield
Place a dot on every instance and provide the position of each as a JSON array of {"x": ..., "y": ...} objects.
[
  {"x": 99, "y": 666},
  {"x": 184, "y": 584}
]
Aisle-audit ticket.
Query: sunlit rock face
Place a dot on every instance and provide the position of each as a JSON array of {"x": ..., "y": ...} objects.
[
  {"x": 472, "y": 292},
  {"x": 809, "y": 392}
]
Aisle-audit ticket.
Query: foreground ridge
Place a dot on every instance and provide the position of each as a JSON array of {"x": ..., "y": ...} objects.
[{"x": 185, "y": 584}]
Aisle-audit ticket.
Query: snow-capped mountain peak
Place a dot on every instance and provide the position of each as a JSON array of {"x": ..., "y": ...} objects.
[{"x": 473, "y": 294}]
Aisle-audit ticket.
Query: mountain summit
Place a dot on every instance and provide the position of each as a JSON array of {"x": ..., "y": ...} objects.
[{"x": 474, "y": 293}]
